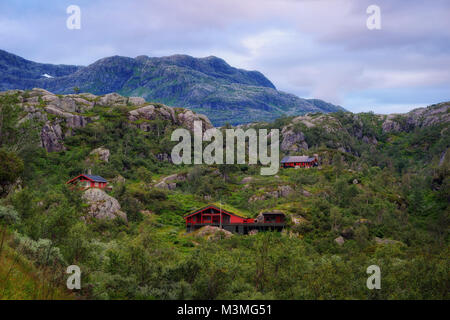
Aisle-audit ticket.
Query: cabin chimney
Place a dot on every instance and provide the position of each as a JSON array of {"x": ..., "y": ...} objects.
[{"x": 89, "y": 171}]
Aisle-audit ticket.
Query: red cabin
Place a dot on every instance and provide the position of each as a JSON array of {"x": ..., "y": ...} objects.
[
  {"x": 86, "y": 181},
  {"x": 299, "y": 162},
  {"x": 215, "y": 216}
]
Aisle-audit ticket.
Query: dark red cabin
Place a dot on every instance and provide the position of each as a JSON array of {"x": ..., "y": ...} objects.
[
  {"x": 86, "y": 181},
  {"x": 212, "y": 215},
  {"x": 299, "y": 162}
]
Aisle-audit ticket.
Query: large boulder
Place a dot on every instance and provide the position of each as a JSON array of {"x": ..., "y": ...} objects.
[
  {"x": 339, "y": 240},
  {"x": 113, "y": 99},
  {"x": 285, "y": 191},
  {"x": 136, "y": 101},
  {"x": 103, "y": 206},
  {"x": 146, "y": 113},
  {"x": 187, "y": 119},
  {"x": 213, "y": 233},
  {"x": 166, "y": 185}
]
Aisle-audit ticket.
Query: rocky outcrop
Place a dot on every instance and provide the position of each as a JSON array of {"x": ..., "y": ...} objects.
[
  {"x": 136, "y": 101},
  {"x": 52, "y": 137},
  {"x": 102, "y": 206},
  {"x": 285, "y": 191},
  {"x": 113, "y": 99},
  {"x": 185, "y": 118},
  {"x": 143, "y": 113},
  {"x": 292, "y": 141},
  {"x": 102, "y": 153},
  {"x": 165, "y": 185},
  {"x": 296, "y": 220},
  {"x": 75, "y": 121},
  {"x": 421, "y": 117},
  {"x": 280, "y": 192},
  {"x": 390, "y": 125},
  {"x": 33, "y": 113},
  {"x": 169, "y": 182}
]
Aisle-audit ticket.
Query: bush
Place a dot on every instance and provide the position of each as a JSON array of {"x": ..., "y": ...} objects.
[
  {"x": 11, "y": 167},
  {"x": 42, "y": 252},
  {"x": 8, "y": 215}
]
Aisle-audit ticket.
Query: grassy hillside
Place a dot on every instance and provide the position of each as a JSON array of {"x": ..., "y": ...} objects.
[
  {"x": 21, "y": 279},
  {"x": 383, "y": 186}
]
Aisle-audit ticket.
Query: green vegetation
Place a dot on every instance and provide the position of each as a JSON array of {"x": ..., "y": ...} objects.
[{"x": 396, "y": 189}]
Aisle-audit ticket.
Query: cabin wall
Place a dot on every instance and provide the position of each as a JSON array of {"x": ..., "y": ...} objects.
[{"x": 86, "y": 183}]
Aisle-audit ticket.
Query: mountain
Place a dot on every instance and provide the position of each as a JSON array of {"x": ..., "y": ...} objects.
[{"x": 206, "y": 85}]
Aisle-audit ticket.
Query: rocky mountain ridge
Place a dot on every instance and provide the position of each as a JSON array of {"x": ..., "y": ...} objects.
[{"x": 206, "y": 85}]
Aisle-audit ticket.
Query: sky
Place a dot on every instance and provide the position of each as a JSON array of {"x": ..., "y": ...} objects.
[{"x": 312, "y": 48}]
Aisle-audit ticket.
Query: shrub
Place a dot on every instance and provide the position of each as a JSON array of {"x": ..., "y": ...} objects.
[
  {"x": 42, "y": 252},
  {"x": 8, "y": 215}
]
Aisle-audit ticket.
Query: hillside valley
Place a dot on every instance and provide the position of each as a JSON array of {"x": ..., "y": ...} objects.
[{"x": 380, "y": 194}]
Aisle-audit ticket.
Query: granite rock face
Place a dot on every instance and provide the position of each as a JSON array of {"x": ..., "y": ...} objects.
[
  {"x": 292, "y": 141},
  {"x": 102, "y": 153},
  {"x": 52, "y": 137}
]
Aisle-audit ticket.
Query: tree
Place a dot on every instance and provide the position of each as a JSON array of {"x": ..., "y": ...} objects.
[
  {"x": 76, "y": 90},
  {"x": 11, "y": 167},
  {"x": 8, "y": 119}
]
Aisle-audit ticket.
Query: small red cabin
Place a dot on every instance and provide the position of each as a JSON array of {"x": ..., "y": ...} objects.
[
  {"x": 218, "y": 217},
  {"x": 86, "y": 181},
  {"x": 299, "y": 162}
]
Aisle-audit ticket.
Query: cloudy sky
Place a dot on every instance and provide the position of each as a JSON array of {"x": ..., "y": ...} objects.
[{"x": 312, "y": 48}]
